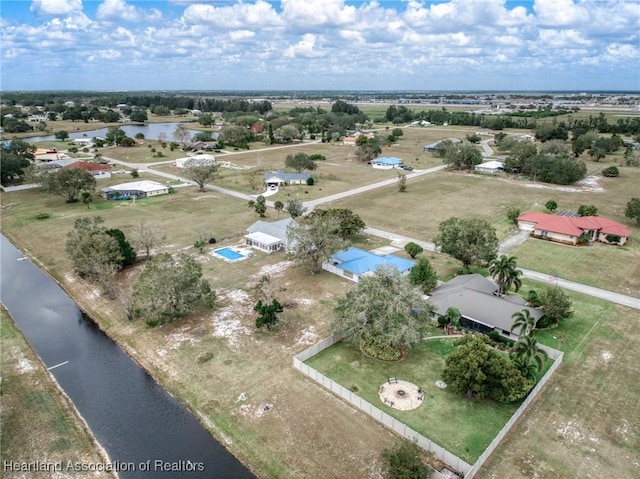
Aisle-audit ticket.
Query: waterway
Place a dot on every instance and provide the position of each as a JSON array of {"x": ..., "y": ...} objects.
[
  {"x": 131, "y": 416},
  {"x": 152, "y": 131}
]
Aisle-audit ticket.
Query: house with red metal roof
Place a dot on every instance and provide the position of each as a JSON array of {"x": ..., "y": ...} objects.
[
  {"x": 573, "y": 229},
  {"x": 98, "y": 170}
]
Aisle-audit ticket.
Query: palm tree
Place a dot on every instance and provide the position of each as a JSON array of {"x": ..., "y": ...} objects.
[
  {"x": 524, "y": 321},
  {"x": 527, "y": 349},
  {"x": 279, "y": 206},
  {"x": 504, "y": 270},
  {"x": 528, "y": 369}
]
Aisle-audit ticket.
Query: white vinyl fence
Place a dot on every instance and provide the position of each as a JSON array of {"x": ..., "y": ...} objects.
[{"x": 451, "y": 460}]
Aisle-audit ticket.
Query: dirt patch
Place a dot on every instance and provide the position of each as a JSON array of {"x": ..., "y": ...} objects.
[
  {"x": 273, "y": 270},
  {"x": 228, "y": 321}
]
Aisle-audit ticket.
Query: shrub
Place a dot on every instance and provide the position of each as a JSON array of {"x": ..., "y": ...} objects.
[
  {"x": 614, "y": 239},
  {"x": 310, "y": 181},
  {"x": 381, "y": 351},
  {"x": 413, "y": 249},
  {"x": 212, "y": 241},
  {"x": 43, "y": 216},
  {"x": 204, "y": 357},
  {"x": 611, "y": 172}
]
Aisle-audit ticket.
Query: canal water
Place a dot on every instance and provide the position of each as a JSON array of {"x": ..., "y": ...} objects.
[{"x": 139, "y": 424}]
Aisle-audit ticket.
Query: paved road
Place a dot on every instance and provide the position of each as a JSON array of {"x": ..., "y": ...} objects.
[
  {"x": 622, "y": 299},
  {"x": 356, "y": 191},
  {"x": 486, "y": 149},
  {"x": 400, "y": 240}
]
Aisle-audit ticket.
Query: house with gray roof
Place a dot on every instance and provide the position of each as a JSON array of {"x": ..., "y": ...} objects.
[
  {"x": 480, "y": 307},
  {"x": 268, "y": 237},
  {"x": 433, "y": 147},
  {"x": 280, "y": 178}
]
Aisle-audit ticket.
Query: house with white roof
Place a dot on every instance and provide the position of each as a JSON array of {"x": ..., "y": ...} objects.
[
  {"x": 492, "y": 167},
  {"x": 134, "y": 190},
  {"x": 386, "y": 163},
  {"x": 268, "y": 237}
]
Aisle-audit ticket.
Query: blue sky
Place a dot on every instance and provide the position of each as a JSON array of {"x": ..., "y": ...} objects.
[{"x": 320, "y": 44}]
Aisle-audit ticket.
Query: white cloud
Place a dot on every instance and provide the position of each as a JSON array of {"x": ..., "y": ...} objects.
[
  {"x": 55, "y": 7},
  {"x": 305, "y": 48},
  {"x": 119, "y": 10},
  {"x": 305, "y": 13},
  {"x": 238, "y": 15},
  {"x": 239, "y": 35},
  {"x": 560, "y": 13},
  {"x": 109, "y": 54}
]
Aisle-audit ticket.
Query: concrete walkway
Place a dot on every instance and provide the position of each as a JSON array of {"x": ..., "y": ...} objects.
[{"x": 486, "y": 149}]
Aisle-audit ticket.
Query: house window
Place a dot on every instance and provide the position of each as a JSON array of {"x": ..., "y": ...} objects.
[
  {"x": 347, "y": 274},
  {"x": 544, "y": 233}
]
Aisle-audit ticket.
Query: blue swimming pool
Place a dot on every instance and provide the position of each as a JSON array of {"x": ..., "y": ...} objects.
[{"x": 229, "y": 253}]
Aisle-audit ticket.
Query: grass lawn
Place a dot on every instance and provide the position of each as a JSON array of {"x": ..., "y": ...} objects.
[
  {"x": 615, "y": 268},
  {"x": 585, "y": 424},
  {"x": 36, "y": 420},
  {"x": 464, "y": 427}
]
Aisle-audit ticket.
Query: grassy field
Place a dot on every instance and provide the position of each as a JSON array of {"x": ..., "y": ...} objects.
[
  {"x": 464, "y": 427},
  {"x": 37, "y": 422},
  {"x": 585, "y": 424},
  {"x": 600, "y": 265}
]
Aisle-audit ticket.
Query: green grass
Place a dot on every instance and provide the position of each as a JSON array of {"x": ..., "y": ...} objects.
[
  {"x": 462, "y": 426},
  {"x": 615, "y": 268}
]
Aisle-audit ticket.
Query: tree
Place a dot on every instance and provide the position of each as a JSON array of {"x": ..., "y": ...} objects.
[
  {"x": 632, "y": 210},
  {"x": 115, "y": 135},
  {"x": 61, "y": 135},
  {"x": 11, "y": 167},
  {"x": 260, "y": 206},
  {"x": 458, "y": 155},
  {"x": 472, "y": 241},
  {"x": 402, "y": 182},
  {"x": 403, "y": 462},
  {"x": 182, "y": 134},
  {"x": 313, "y": 240},
  {"x": 524, "y": 321},
  {"x": 413, "y": 249},
  {"x": 383, "y": 309},
  {"x": 170, "y": 287},
  {"x": 278, "y": 206},
  {"x": 295, "y": 208},
  {"x": 68, "y": 183},
  {"x": 397, "y": 132},
  {"x": 95, "y": 254},
  {"x": 368, "y": 149},
  {"x": 556, "y": 306},
  {"x": 349, "y": 223},
  {"x": 587, "y": 210},
  {"x": 139, "y": 116},
  {"x": 299, "y": 161},
  {"x": 551, "y": 206},
  {"x": 127, "y": 253},
  {"x": 504, "y": 271},
  {"x": 147, "y": 237},
  {"x": 423, "y": 275},
  {"x": 86, "y": 197},
  {"x": 526, "y": 348},
  {"x": 199, "y": 173},
  {"x": 478, "y": 371},
  {"x": 267, "y": 313},
  {"x": 512, "y": 214},
  {"x": 473, "y": 138},
  {"x": 597, "y": 153}
]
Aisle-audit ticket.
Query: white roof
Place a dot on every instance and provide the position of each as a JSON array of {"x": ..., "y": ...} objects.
[
  {"x": 263, "y": 238},
  {"x": 491, "y": 165},
  {"x": 145, "y": 185}
]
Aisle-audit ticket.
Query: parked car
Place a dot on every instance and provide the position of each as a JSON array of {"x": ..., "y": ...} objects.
[{"x": 406, "y": 167}]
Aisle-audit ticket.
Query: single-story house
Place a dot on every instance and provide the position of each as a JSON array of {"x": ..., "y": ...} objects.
[
  {"x": 280, "y": 178},
  {"x": 386, "y": 163},
  {"x": 431, "y": 148},
  {"x": 83, "y": 141},
  {"x": 527, "y": 137},
  {"x": 492, "y": 167},
  {"x": 355, "y": 262},
  {"x": 63, "y": 162},
  {"x": 134, "y": 189},
  {"x": 268, "y": 237},
  {"x": 98, "y": 170},
  {"x": 205, "y": 145},
  {"x": 480, "y": 308},
  {"x": 350, "y": 140},
  {"x": 198, "y": 160},
  {"x": 568, "y": 229}
]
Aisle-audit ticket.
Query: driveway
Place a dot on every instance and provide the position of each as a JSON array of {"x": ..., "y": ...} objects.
[{"x": 511, "y": 242}]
